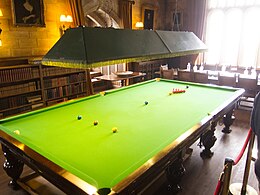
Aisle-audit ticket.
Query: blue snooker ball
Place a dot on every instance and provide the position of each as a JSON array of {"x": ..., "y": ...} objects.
[{"x": 79, "y": 117}]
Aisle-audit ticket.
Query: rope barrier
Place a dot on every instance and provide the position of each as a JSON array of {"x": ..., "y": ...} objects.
[
  {"x": 219, "y": 185},
  {"x": 224, "y": 172},
  {"x": 244, "y": 147},
  {"x": 217, "y": 190}
]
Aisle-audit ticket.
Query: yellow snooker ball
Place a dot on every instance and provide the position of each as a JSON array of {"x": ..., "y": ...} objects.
[
  {"x": 17, "y": 132},
  {"x": 114, "y": 129},
  {"x": 102, "y": 93}
]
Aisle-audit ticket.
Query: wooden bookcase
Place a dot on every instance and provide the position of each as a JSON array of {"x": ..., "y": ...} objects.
[
  {"x": 61, "y": 84},
  {"x": 150, "y": 68},
  {"x": 25, "y": 87},
  {"x": 20, "y": 86}
]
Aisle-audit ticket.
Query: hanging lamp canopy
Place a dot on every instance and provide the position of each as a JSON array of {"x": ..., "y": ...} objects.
[{"x": 86, "y": 47}]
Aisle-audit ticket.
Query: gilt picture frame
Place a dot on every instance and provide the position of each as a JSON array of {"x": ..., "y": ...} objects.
[{"x": 28, "y": 13}]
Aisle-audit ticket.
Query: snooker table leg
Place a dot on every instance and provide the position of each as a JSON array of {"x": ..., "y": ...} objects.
[
  {"x": 208, "y": 140},
  {"x": 174, "y": 173},
  {"x": 228, "y": 120},
  {"x": 12, "y": 166}
]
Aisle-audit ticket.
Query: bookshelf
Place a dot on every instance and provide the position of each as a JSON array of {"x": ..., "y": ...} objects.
[
  {"x": 31, "y": 85},
  {"x": 61, "y": 84},
  {"x": 150, "y": 68},
  {"x": 18, "y": 87}
]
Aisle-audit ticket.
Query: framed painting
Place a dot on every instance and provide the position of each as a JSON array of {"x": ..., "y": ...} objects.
[
  {"x": 28, "y": 13},
  {"x": 149, "y": 15}
]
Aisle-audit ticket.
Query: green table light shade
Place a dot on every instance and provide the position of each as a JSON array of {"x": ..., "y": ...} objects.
[{"x": 86, "y": 47}]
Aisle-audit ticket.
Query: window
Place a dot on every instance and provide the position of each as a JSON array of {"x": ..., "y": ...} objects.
[{"x": 233, "y": 33}]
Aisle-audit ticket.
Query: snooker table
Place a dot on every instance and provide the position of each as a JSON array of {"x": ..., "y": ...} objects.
[{"x": 82, "y": 158}]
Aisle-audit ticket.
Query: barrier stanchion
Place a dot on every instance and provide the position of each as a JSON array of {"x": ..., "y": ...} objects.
[
  {"x": 243, "y": 188},
  {"x": 223, "y": 187},
  {"x": 227, "y": 174}
]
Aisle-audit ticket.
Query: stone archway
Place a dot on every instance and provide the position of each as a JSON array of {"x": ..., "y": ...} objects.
[{"x": 101, "y": 13}]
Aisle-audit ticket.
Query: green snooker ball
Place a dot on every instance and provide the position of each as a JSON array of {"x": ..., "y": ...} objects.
[{"x": 145, "y": 102}]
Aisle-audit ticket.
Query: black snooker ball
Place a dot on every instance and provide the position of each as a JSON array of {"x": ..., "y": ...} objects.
[
  {"x": 79, "y": 117},
  {"x": 187, "y": 86},
  {"x": 145, "y": 102}
]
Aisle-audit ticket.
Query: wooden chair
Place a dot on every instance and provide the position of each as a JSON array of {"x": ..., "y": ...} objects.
[
  {"x": 250, "y": 86},
  {"x": 185, "y": 76},
  {"x": 167, "y": 74},
  {"x": 201, "y": 77},
  {"x": 227, "y": 80}
]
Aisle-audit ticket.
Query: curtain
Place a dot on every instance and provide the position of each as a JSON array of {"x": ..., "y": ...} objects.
[
  {"x": 196, "y": 16},
  {"x": 196, "y": 23},
  {"x": 77, "y": 12},
  {"x": 125, "y": 12}
]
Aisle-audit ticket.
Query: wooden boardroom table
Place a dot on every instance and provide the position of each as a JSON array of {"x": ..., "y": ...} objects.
[{"x": 124, "y": 79}]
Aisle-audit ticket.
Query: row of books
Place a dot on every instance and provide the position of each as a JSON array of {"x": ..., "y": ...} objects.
[
  {"x": 25, "y": 73},
  {"x": 15, "y": 111},
  {"x": 17, "y": 89},
  {"x": 77, "y": 77},
  {"x": 64, "y": 91},
  {"x": 148, "y": 68},
  {"x": 50, "y": 71},
  {"x": 13, "y": 102},
  {"x": 61, "y": 81},
  {"x": 18, "y": 74},
  {"x": 56, "y": 82}
]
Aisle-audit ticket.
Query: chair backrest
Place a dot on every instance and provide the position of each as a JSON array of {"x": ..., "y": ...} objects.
[
  {"x": 201, "y": 77},
  {"x": 227, "y": 80},
  {"x": 167, "y": 74},
  {"x": 185, "y": 76},
  {"x": 249, "y": 84},
  {"x": 164, "y": 67}
]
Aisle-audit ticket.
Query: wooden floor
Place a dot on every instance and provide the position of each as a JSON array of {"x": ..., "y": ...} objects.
[{"x": 201, "y": 175}]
